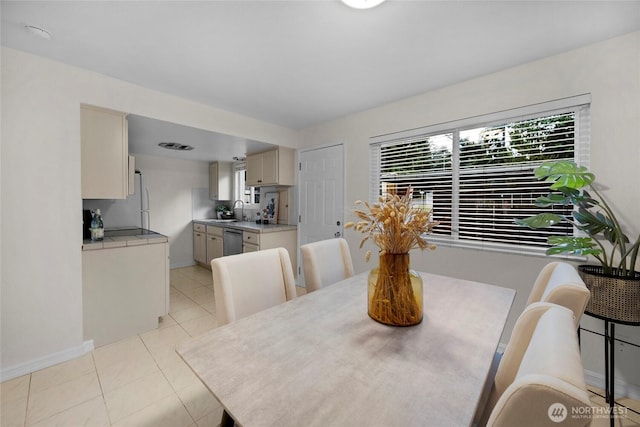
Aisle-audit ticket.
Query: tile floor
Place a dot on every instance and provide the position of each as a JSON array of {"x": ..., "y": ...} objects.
[{"x": 141, "y": 381}]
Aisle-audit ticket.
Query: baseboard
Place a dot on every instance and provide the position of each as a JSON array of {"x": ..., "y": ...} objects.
[
  {"x": 181, "y": 264},
  {"x": 46, "y": 361},
  {"x": 621, "y": 388}
]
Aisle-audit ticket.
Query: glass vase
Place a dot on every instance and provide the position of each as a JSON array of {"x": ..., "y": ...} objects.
[{"x": 395, "y": 292}]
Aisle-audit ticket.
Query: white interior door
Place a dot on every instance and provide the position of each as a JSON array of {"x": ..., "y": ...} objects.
[{"x": 321, "y": 183}]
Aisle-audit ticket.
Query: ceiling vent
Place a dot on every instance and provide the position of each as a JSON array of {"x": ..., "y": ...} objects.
[
  {"x": 175, "y": 146},
  {"x": 38, "y": 32}
]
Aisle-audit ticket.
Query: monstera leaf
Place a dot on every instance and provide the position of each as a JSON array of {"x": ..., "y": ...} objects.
[
  {"x": 592, "y": 216},
  {"x": 542, "y": 220},
  {"x": 565, "y": 174},
  {"x": 553, "y": 199},
  {"x": 572, "y": 245}
]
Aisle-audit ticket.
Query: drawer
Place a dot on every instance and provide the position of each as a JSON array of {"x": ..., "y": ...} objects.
[
  {"x": 247, "y": 247},
  {"x": 199, "y": 227},
  {"x": 253, "y": 238},
  {"x": 215, "y": 231}
]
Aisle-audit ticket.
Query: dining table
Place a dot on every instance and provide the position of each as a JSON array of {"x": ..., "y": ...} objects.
[{"x": 320, "y": 360}]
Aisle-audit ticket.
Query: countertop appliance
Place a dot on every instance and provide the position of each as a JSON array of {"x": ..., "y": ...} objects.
[
  {"x": 87, "y": 216},
  {"x": 231, "y": 242},
  {"x": 131, "y": 212}
]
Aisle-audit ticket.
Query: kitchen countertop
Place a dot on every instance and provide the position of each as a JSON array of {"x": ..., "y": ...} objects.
[
  {"x": 122, "y": 237},
  {"x": 247, "y": 226}
]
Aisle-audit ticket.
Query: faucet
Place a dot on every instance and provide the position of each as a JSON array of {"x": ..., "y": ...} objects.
[{"x": 242, "y": 208}]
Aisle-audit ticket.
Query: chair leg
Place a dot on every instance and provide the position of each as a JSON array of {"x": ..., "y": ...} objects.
[{"x": 226, "y": 420}]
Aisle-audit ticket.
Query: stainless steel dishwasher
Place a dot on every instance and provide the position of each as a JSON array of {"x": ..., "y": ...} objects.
[{"x": 232, "y": 242}]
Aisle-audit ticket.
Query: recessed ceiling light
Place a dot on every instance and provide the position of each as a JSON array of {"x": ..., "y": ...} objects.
[
  {"x": 362, "y": 4},
  {"x": 38, "y": 31},
  {"x": 175, "y": 146}
]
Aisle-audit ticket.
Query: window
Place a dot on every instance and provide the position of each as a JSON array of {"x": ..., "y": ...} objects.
[
  {"x": 249, "y": 195},
  {"x": 477, "y": 174}
]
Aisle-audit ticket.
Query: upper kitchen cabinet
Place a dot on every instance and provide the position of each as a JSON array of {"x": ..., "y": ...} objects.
[
  {"x": 105, "y": 153},
  {"x": 273, "y": 167},
  {"x": 220, "y": 182}
]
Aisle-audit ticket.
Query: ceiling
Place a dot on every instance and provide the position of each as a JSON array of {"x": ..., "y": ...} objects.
[
  {"x": 145, "y": 134},
  {"x": 301, "y": 63}
]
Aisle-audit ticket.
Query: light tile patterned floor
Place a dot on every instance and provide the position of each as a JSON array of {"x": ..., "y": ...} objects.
[{"x": 141, "y": 381}]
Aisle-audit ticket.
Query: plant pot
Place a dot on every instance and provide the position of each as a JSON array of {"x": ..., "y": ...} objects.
[
  {"x": 613, "y": 297},
  {"x": 395, "y": 292}
]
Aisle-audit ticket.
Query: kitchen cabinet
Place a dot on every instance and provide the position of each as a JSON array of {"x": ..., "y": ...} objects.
[
  {"x": 200, "y": 243},
  {"x": 284, "y": 205},
  {"x": 220, "y": 180},
  {"x": 104, "y": 153},
  {"x": 250, "y": 241},
  {"x": 253, "y": 241},
  {"x": 214, "y": 243},
  {"x": 124, "y": 290},
  {"x": 246, "y": 248},
  {"x": 207, "y": 243},
  {"x": 273, "y": 167}
]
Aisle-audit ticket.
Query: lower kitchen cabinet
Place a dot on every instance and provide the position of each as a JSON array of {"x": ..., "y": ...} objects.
[
  {"x": 250, "y": 241},
  {"x": 247, "y": 247},
  {"x": 208, "y": 240},
  {"x": 207, "y": 243},
  {"x": 214, "y": 243},
  {"x": 200, "y": 243},
  {"x": 279, "y": 239},
  {"x": 125, "y": 291}
]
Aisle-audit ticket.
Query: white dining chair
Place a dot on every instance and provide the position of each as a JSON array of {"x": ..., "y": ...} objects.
[
  {"x": 559, "y": 283},
  {"x": 540, "y": 379},
  {"x": 325, "y": 263},
  {"x": 246, "y": 283}
]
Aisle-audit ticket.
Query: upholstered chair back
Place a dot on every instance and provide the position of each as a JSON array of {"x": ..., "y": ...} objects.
[
  {"x": 540, "y": 375},
  {"x": 247, "y": 283},
  {"x": 325, "y": 263},
  {"x": 560, "y": 283}
]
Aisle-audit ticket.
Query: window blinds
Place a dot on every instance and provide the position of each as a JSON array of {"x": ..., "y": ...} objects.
[{"x": 479, "y": 177}]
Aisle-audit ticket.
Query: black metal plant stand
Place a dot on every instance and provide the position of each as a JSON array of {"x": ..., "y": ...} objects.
[{"x": 609, "y": 358}]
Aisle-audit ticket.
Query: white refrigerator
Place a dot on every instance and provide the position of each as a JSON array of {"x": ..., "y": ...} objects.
[{"x": 132, "y": 212}]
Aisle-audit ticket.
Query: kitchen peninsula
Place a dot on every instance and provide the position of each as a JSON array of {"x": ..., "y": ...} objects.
[{"x": 125, "y": 281}]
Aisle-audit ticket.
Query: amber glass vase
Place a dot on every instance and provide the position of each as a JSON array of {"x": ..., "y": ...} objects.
[{"x": 395, "y": 292}]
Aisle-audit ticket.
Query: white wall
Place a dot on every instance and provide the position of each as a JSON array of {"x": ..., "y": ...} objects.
[
  {"x": 41, "y": 288},
  {"x": 170, "y": 183},
  {"x": 610, "y": 71},
  {"x": 41, "y": 319}
]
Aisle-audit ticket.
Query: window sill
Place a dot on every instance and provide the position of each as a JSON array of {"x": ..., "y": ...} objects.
[{"x": 501, "y": 248}]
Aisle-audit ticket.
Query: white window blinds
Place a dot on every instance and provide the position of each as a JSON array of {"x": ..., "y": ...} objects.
[{"x": 477, "y": 175}]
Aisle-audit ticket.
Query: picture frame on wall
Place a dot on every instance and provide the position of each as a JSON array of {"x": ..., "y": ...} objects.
[{"x": 271, "y": 200}]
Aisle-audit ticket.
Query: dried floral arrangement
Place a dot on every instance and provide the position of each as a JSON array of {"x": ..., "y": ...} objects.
[
  {"x": 393, "y": 225},
  {"x": 396, "y": 228}
]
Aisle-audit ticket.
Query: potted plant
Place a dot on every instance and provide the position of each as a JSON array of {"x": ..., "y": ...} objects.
[
  {"x": 220, "y": 209},
  {"x": 614, "y": 283}
]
